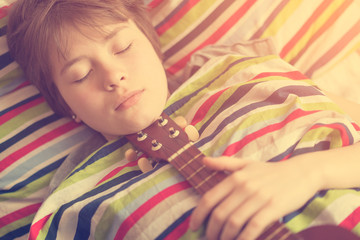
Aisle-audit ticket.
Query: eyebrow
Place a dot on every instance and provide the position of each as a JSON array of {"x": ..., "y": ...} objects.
[{"x": 107, "y": 38}]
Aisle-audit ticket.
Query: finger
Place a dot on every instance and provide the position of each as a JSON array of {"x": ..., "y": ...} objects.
[
  {"x": 208, "y": 201},
  {"x": 225, "y": 163},
  {"x": 221, "y": 213},
  {"x": 258, "y": 223}
]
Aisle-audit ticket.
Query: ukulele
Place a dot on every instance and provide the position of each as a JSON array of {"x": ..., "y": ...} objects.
[{"x": 165, "y": 140}]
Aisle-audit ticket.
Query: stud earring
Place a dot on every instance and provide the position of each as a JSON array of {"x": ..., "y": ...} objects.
[{"x": 73, "y": 116}]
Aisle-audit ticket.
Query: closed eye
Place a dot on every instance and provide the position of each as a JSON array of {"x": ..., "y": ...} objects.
[
  {"x": 83, "y": 78},
  {"x": 125, "y": 49}
]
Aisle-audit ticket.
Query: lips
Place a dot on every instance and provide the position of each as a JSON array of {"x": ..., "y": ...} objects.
[{"x": 128, "y": 100}]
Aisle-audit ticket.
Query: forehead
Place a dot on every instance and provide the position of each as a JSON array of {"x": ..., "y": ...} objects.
[{"x": 71, "y": 34}]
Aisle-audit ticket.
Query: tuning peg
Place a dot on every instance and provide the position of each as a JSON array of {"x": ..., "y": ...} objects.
[
  {"x": 181, "y": 121},
  {"x": 192, "y": 133},
  {"x": 144, "y": 165},
  {"x": 130, "y": 155}
]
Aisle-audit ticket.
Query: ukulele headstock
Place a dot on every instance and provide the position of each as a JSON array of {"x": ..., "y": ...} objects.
[{"x": 161, "y": 139}]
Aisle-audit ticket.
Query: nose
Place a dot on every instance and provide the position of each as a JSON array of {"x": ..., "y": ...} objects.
[{"x": 112, "y": 78}]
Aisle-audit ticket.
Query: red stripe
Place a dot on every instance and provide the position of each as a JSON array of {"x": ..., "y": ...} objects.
[
  {"x": 338, "y": 47},
  {"x": 4, "y": 11},
  {"x": 204, "y": 109},
  {"x": 116, "y": 170},
  {"x": 321, "y": 30},
  {"x": 155, "y": 3},
  {"x": 147, "y": 206},
  {"x": 12, "y": 158},
  {"x": 179, "y": 230},
  {"x": 171, "y": 22},
  {"x": 36, "y": 227},
  {"x": 294, "y": 75},
  {"x": 214, "y": 37},
  {"x": 13, "y": 113},
  {"x": 237, "y": 146},
  {"x": 19, "y": 214},
  {"x": 356, "y": 126},
  {"x": 23, "y": 84},
  {"x": 351, "y": 220},
  {"x": 340, "y": 127},
  {"x": 290, "y": 45}
]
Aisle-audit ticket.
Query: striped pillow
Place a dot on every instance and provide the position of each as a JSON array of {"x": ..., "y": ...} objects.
[{"x": 313, "y": 35}]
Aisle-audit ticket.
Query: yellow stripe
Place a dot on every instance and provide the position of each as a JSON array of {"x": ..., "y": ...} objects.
[
  {"x": 282, "y": 17},
  {"x": 315, "y": 26},
  {"x": 186, "y": 21}
]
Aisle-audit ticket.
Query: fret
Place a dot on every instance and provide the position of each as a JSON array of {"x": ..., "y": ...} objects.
[
  {"x": 195, "y": 172},
  {"x": 205, "y": 180},
  {"x": 190, "y": 161},
  {"x": 180, "y": 151}
]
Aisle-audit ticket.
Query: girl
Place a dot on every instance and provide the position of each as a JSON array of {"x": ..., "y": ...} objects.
[{"x": 99, "y": 62}]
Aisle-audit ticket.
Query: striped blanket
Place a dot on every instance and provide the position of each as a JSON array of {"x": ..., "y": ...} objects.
[{"x": 254, "y": 107}]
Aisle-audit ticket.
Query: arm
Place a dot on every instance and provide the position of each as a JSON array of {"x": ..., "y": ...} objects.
[{"x": 255, "y": 192}]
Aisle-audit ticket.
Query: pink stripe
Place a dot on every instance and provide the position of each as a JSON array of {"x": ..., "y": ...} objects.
[
  {"x": 237, "y": 146},
  {"x": 356, "y": 126},
  {"x": 352, "y": 220},
  {"x": 36, "y": 227},
  {"x": 147, "y": 206},
  {"x": 13, "y": 113},
  {"x": 290, "y": 45},
  {"x": 338, "y": 47},
  {"x": 203, "y": 110},
  {"x": 321, "y": 30},
  {"x": 24, "y": 84},
  {"x": 116, "y": 170},
  {"x": 155, "y": 3},
  {"x": 176, "y": 17},
  {"x": 341, "y": 128},
  {"x": 4, "y": 11},
  {"x": 19, "y": 214},
  {"x": 214, "y": 37},
  {"x": 12, "y": 158}
]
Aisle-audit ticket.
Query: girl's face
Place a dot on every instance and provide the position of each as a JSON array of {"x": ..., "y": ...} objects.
[{"x": 113, "y": 80}]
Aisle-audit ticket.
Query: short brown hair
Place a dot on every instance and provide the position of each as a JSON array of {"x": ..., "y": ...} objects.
[{"x": 35, "y": 27}]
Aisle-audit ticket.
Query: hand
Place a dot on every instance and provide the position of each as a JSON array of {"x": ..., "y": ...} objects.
[{"x": 254, "y": 195}]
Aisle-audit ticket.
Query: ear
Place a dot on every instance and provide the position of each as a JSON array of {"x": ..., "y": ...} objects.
[{"x": 76, "y": 118}]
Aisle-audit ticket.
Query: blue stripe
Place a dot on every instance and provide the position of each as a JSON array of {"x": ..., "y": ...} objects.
[
  {"x": 5, "y": 60},
  {"x": 174, "y": 225},
  {"x": 3, "y": 31},
  {"x": 43, "y": 156},
  {"x": 81, "y": 233},
  {"x": 13, "y": 85},
  {"x": 27, "y": 131},
  {"x": 19, "y": 104},
  {"x": 42, "y": 172},
  {"x": 21, "y": 231},
  {"x": 103, "y": 152}
]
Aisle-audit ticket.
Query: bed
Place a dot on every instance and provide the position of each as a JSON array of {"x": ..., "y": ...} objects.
[{"x": 319, "y": 38}]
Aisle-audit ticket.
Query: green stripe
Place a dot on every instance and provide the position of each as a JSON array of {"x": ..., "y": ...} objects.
[
  {"x": 186, "y": 21},
  {"x": 29, "y": 189},
  {"x": 16, "y": 225},
  {"x": 315, "y": 208},
  {"x": 101, "y": 164},
  {"x": 8, "y": 78},
  {"x": 22, "y": 119}
]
